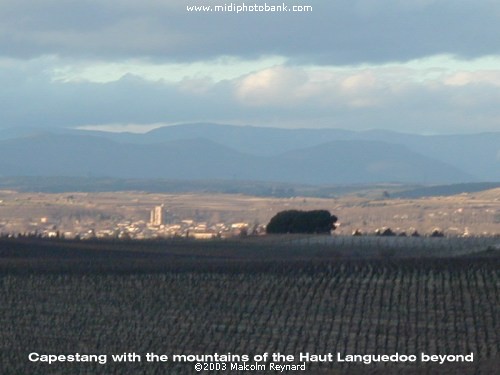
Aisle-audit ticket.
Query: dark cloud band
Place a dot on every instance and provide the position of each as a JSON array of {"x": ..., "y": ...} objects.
[{"x": 336, "y": 32}]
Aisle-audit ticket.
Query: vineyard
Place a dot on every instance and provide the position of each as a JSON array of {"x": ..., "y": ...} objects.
[{"x": 346, "y": 306}]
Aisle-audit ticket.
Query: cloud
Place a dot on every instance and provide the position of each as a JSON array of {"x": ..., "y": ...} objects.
[
  {"x": 36, "y": 99},
  {"x": 422, "y": 65},
  {"x": 101, "y": 71},
  {"x": 390, "y": 97},
  {"x": 335, "y": 32},
  {"x": 277, "y": 86},
  {"x": 463, "y": 78}
]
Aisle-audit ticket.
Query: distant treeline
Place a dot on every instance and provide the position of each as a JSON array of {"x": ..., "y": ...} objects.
[
  {"x": 103, "y": 184},
  {"x": 91, "y": 184},
  {"x": 445, "y": 190},
  {"x": 257, "y": 188}
]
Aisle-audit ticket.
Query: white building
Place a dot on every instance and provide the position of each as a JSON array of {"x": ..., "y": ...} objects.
[{"x": 157, "y": 216}]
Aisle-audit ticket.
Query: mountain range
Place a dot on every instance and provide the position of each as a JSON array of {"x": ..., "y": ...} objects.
[{"x": 239, "y": 153}]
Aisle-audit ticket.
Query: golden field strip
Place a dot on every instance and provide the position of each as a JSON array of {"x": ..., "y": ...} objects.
[{"x": 470, "y": 214}]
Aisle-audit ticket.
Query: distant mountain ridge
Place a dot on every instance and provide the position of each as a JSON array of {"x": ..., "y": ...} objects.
[{"x": 214, "y": 151}]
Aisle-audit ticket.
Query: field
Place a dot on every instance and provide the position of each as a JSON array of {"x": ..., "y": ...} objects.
[
  {"x": 477, "y": 214},
  {"x": 286, "y": 295}
]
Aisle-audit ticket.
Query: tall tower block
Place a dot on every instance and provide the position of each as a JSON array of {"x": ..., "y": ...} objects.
[{"x": 157, "y": 216}]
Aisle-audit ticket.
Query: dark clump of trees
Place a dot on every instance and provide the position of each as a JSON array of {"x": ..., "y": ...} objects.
[{"x": 295, "y": 221}]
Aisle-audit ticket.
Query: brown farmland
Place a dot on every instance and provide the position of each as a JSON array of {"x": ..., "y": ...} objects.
[{"x": 249, "y": 296}]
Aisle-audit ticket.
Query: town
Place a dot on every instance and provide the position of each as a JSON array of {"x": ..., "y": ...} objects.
[
  {"x": 159, "y": 226},
  {"x": 130, "y": 215},
  {"x": 140, "y": 215}
]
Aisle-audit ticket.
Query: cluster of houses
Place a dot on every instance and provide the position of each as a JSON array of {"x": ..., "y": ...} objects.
[
  {"x": 188, "y": 228},
  {"x": 156, "y": 227},
  {"x": 185, "y": 229}
]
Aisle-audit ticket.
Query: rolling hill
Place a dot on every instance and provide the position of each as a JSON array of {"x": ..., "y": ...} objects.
[{"x": 328, "y": 162}]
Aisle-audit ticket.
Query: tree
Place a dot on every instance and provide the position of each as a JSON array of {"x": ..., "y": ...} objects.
[{"x": 294, "y": 221}]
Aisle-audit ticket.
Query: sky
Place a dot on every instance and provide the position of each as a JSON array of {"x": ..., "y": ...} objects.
[{"x": 419, "y": 66}]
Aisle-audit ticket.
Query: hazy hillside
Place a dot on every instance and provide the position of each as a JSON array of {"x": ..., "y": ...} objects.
[
  {"x": 214, "y": 151},
  {"x": 476, "y": 154},
  {"x": 337, "y": 162},
  {"x": 68, "y": 155},
  {"x": 365, "y": 162}
]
